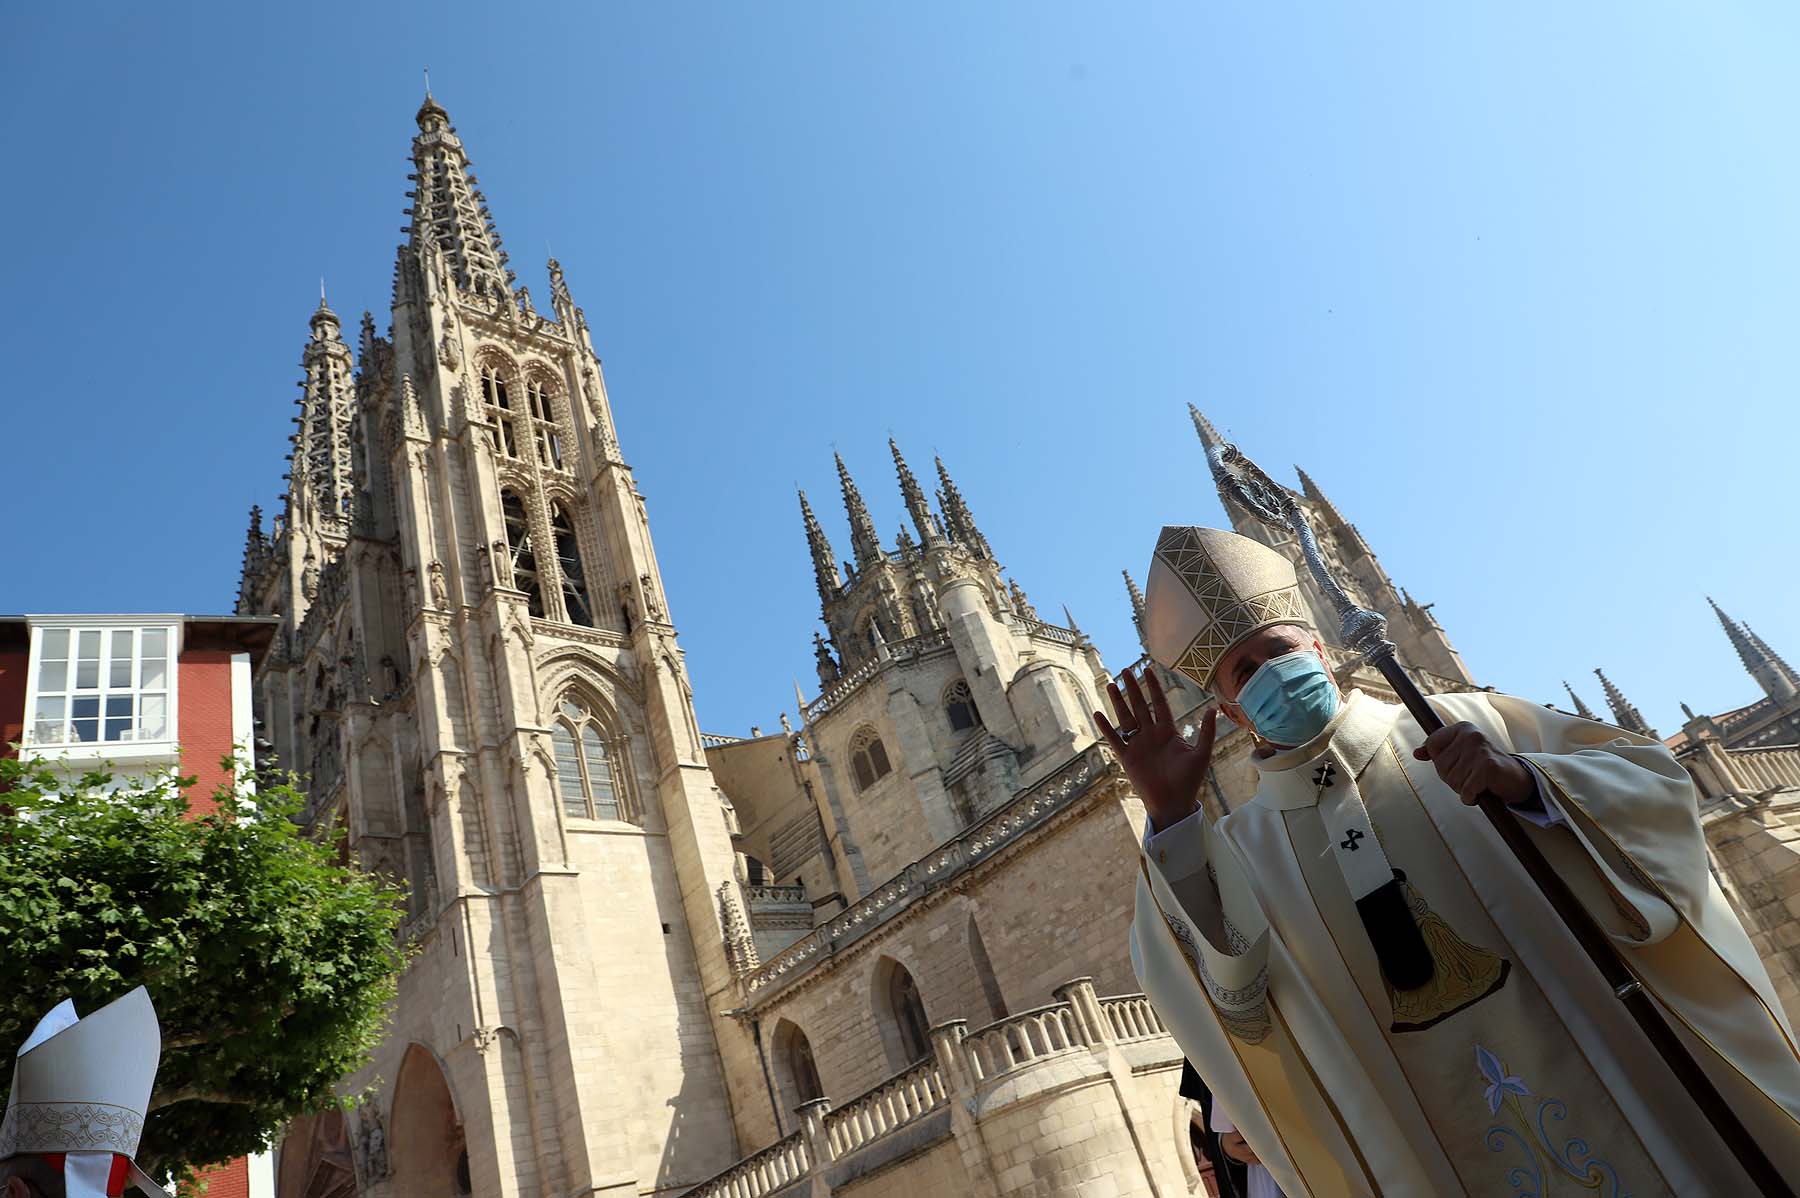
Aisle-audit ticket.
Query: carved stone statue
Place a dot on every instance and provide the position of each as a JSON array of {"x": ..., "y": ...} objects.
[
  {"x": 440, "y": 593},
  {"x": 652, "y": 605},
  {"x": 503, "y": 571}
]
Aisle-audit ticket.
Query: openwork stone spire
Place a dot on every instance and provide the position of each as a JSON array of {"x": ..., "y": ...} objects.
[
  {"x": 914, "y": 497},
  {"x": 865, "y": 545},
  {"x": 1209, "y": 436},
  {"x": 1137, "y": 603},
  {"x": 1774, "y": 675},
  {"x": 959, "y": 521},
  {"x": 1625, "y": 715},
  {"x": 320, "y": 473},
  {"x": 448, "y": 209},
  {"x": 1581, "y": 709},
  {"x": 257, "y": 553},
  {"x": 825, "y": 570}
]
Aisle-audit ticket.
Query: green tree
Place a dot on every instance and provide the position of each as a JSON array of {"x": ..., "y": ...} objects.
[{"x": 270, "y": 964}]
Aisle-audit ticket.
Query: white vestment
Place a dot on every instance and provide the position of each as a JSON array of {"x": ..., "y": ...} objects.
[{"x": 1514, "y": 1070}]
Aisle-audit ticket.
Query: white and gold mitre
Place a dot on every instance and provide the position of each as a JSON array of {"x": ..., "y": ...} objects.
[
  {"x": 1208, "y": 590},
  {"x": 81, "y": 1088}
]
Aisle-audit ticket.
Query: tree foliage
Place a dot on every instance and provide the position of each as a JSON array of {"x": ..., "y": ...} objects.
[{"x": 271, "y": 965}]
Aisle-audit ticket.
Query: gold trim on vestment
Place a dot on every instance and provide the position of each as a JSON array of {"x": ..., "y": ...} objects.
[
  {"x": 1230, "y": 1040},
  {"x": 1666, "y": 1005},
  {"x": 1588, "y": 1060}
]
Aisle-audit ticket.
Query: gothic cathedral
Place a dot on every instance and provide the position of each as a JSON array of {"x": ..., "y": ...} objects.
[{"x": 478, "y": 670}]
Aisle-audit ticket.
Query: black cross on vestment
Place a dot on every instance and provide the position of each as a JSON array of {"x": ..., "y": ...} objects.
[
  {"x": 1325, "y": 775},
  {"x": 1350, "y": 838}
]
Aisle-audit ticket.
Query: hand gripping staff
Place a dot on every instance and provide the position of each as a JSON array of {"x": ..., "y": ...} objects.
[{"x": 1365, "y": 632}]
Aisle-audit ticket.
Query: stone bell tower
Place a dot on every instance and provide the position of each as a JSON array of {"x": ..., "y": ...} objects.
[{"x": 479, "y": 671}]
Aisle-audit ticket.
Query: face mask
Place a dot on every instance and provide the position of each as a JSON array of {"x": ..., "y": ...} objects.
[{"x": 1290, "y": 698}]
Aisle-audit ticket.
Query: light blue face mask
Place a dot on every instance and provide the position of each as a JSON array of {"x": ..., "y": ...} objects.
[{"x": 1290, "y": 698}]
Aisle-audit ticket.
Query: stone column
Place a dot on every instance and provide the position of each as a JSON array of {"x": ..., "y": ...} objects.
[
  {"x": 818, "y": 1144},
  {"x": 959, "y": 1088},
  {"x": 1090, "y": 1020}
]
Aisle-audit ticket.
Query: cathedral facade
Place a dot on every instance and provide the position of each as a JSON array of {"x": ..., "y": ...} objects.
[{"x": 882, "y": 950}]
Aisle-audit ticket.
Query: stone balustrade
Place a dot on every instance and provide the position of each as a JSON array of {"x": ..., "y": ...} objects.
[
  {"x": 910, "y": 649},
  {"x": 913, "y": 1109},
  {"x": 896, "y": 1102},
  {"x": 1743, "y": 775},
  {"x": 1018, "y": 1040},
  {"x": 774, "y": 894},
  {"x": 770, "y": 1171},
  {"x": 1131, "y": 1018}
]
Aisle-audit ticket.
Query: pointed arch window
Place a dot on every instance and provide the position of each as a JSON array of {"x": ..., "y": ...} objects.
[
  {"x": 519, "y": 551},
  {"x": 907, "y": 1030},
  {"x": 543, "y": 424},
  {"x": 868, "y": 758},
  {"x": 568, "y": 562},
  {"x": 496, "y": 394},
  {"x": 584, "y": 764},
  {"x": 959, "y": 706}
]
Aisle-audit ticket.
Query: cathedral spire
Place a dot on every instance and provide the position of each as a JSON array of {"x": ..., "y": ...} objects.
[
  {"x": 914, "y": 496},
  {"x": 1311, "y": 490},
  {"x": 256, "y": 559},
  {"x": 1137, "y": 603},
  {"x": 1774, "y": 675},
  {"x": 958, "y": 519},
  {"x": 1581, "y": 709},
  {"x": 1625, "y": 715},
  {"x": 320, "y": 473},
  {"x": 865, "y": 545},
  {"x": 1209, "y": 436},
  {"x": 825, "y": 570},
  {"x": 448, "y": 209}
]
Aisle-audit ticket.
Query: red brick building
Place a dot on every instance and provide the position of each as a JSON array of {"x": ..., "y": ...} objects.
[{"x": 141, "y": 694}]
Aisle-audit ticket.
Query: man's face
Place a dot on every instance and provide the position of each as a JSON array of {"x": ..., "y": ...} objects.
[{"x": 1243, "y": 661}]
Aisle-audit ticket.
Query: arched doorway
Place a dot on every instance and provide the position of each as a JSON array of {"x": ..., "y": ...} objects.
[
  {"x": 315, "y": 1159},
  {"x": 426, "y": 1149}
]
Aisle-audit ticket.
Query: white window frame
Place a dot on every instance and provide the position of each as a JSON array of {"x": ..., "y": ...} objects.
[{"x": 127, "y": 754}]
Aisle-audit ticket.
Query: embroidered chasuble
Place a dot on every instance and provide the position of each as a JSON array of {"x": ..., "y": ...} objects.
[{"x": 1514, "y": 1070}]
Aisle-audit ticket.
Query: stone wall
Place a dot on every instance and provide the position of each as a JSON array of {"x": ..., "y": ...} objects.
[{"x": 1075, "y": 1099}]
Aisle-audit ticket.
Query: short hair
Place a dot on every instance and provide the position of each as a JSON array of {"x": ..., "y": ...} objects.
[{"x": 36, "y": 1172}]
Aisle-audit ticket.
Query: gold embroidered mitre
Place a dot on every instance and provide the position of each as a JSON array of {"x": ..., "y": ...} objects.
[{"x": 1208, "y": 590}]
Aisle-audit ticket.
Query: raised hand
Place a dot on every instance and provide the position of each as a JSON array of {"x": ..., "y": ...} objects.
[{"x": 1164, "y": 769}]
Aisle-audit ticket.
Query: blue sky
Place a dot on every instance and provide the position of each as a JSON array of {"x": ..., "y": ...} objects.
[{"x": 1515, "y": 283}]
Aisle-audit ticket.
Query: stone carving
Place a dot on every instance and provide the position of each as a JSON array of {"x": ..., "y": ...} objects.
[
  {"x": 652, "y": 605},
  {"x": 374, "y": 1147},
  {"x": 449, "y": 351},
  {"x": 503, "y": 566},
  {"x": 440, "y": 593}
]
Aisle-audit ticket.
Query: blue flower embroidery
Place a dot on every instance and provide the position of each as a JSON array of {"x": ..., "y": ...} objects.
[
  {"x": 1500, "y": 1083},
  {"x": 1529, "y": 1133}
]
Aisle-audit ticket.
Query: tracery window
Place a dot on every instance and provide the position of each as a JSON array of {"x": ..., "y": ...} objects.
[
  {"x": 868, "y": 758},
  {"x": 568, "y": 562},
  {"x": 519, "y": 551},
  {"x": 496, "y": 395},
  {"x": 959, "y": 706},
  {"x": 584, "y": 764},
  {"x": 543, "y": 424}
]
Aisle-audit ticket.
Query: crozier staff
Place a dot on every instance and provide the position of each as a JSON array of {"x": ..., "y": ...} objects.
[{"x": 1358, "y": 965}]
